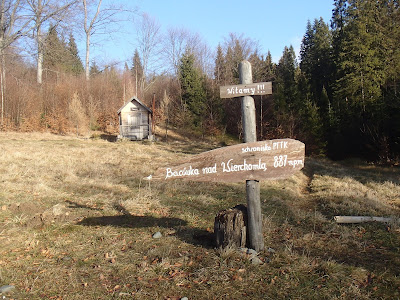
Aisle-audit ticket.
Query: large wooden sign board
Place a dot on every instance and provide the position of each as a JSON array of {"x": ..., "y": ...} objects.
[{"x": 263, "y": 160}]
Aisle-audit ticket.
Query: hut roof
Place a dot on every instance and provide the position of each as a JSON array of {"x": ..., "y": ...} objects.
[{"x": 138, "y": 101}]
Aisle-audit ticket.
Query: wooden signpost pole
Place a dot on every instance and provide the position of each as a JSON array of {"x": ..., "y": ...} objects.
[
  {"x": 256, "y": 239},
  {"x": 251, "y": 161}
]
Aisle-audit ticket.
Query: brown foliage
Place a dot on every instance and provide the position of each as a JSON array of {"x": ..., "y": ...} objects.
[{"x": 108, "y": 122}]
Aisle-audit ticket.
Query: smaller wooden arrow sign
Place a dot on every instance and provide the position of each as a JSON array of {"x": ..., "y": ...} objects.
[
  {"x": 240, "y": 90},
  {"x": 272, "y": 159}
]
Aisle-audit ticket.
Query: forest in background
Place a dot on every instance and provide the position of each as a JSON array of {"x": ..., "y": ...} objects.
[{"x": 340, "y": 97}]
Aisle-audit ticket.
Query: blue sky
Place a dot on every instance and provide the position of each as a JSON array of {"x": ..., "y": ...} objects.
[{"x": 273, "y": 23}]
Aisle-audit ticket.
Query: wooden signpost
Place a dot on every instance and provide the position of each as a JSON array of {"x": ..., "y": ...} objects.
[
  {"x": 263, "y": 160},
  {"x": 251, "y": 161},
  {"x": 240, "y": 90}
]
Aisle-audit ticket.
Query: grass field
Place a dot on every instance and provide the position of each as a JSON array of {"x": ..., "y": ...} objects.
[{"x": 77, "y": 219}]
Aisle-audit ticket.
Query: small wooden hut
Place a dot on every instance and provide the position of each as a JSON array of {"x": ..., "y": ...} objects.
[{"x": 135, "y": 120}]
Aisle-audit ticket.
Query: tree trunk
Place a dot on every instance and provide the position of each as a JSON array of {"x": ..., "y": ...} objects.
[
  {"x": 2, "y": 83},
  {"x": 40, "y": 44},
  {"x": 87, "y": 70},
  {"x": 230, "y": 227},
  {"x": 88, "y": 28},
  {"x": 39, "y": 75}
]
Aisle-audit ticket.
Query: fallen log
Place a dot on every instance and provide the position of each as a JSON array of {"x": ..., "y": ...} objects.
[{"x": 363, "y": 219}]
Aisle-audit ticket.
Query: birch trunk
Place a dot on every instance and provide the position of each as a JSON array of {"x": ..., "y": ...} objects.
[
  {"x": 39, "y": 40},
  {"x": 88, "y": 31}
]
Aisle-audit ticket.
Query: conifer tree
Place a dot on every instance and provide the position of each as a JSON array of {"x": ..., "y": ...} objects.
[
  {"x": 60, "y": 56},
  {"x": 238, "y": 56},
  {"x": 56, "y": 51},
  {"x": 138, "y": 73},
  {"x": 94, "y": 69},
  {"x": 286, "y": 100},
  {"x": 286, "y": 83},
  {"x": 361, "y": 72},
  {"x": 358, "y": 44},
  {"x": 270, "y": 68},
  {"x": 316, "y": 60},
  {"x": 193, "y": 93},
  {"x": 229, "y": 67},
  {"x": 75, "y": 65},
  {"x": 257, "y": 66},
  {"x": 220, "y": 67}
]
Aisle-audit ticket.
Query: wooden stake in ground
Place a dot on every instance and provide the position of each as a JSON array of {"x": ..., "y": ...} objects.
[{"x": 256, "y": 240}]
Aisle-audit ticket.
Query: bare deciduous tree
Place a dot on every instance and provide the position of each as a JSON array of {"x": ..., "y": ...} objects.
[
  {"x": 17, "y": 19},
  {"x": 177, "y": 41},
  {"x": 43, "y": 11},
  {"x": 89, "y": 27},
  {"x": 174, "y": 45},
  {"x": 99, "y": 21},
  {"x": 148, "y": 39},
  {"x": 11, "y": 28}
]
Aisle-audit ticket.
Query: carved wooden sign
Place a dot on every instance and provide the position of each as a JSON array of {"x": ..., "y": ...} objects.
[
  {"x": 263, "y": 160},
  {"x": 240, "y": 90}
]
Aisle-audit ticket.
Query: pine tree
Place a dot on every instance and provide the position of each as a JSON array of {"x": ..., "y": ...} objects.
[
  {"x": 390, "y": 28},
  {"x": 138, "y": 73},
  {"x": 229, "y": 67},
  {"x": 94, "y": 69},
  {"x": 257, "y": 67},
  {"x": 316, "y": 60},
  {"x": 55, "y": 53},
  {"x": 74, "y": 64},
  {"x": 270, "y": 68},
  {"x": 361, "y": 72},
  {"x": 286, "y": 100},
  {"x": 192, "y": 85},
  {"x": 367, "y": 59},
  {"x": 237, "y": 58},
  {"x": 60, "y": 56},
  {"x": 220, "y": 67},
  {"x": 285, "y": 82}
]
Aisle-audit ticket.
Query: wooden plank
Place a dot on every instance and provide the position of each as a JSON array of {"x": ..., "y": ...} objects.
[
  {"x": 251, "y": 89},
  {"x": 264, "y": 160},
  {"x": 362, "y": 219}
]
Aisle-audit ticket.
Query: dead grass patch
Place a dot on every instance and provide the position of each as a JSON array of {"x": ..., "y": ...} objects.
[{"x": 77, "y": 221}]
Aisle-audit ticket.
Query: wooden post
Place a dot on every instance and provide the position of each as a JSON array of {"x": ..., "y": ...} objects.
[{"x": 256, "y": 240}]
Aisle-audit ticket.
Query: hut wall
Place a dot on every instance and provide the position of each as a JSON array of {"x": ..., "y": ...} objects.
[{"x": 134, "y": 122}]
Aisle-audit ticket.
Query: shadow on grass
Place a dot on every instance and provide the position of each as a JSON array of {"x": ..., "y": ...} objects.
[
  {"x": 130, "y": 221},
  {"x": 109, "y": 137},
  {"x": 73, "y": 204},
  {"x": 194, "y": 236}
]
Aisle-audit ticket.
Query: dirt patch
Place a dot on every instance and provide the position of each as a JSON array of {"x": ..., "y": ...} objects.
[
  {"x": 37, "y": 215},
  {"x": 26, "y": 208}
]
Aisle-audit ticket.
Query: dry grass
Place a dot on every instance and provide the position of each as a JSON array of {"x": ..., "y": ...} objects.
[{"x": 77, "y": 220}]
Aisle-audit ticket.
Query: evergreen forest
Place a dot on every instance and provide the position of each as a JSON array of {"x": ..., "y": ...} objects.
[{"x": 340, "y": 96}]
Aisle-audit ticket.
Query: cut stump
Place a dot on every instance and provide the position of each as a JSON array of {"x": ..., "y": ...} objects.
[{"x": 230, "y": 227}]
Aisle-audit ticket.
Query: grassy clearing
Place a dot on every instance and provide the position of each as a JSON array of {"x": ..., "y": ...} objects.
[{"x": 77, "y": 218}]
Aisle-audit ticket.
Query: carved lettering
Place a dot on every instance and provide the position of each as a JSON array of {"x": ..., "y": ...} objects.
[
  {"x": 181, "y": 173},
  {"x": 274, "y": 159},
  {"x": 230, "y": 167}
]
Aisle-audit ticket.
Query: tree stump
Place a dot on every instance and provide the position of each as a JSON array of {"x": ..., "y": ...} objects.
[{"x": 230, "y": 227}]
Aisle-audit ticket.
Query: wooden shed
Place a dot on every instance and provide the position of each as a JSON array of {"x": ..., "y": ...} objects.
[{"x": 135, "y": 120}]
